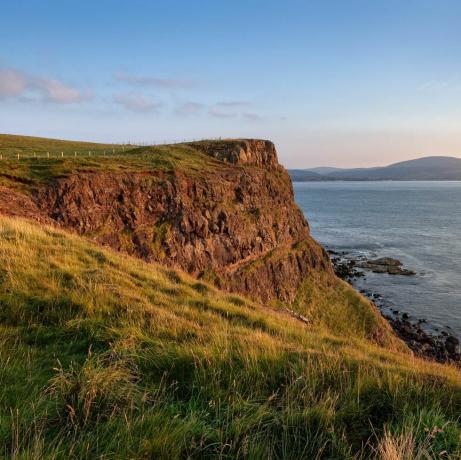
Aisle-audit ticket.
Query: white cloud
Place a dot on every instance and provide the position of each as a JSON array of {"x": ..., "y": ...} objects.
[
  {"x": 137, "y": 102},
  {"x": 12, "y": 83},
  {"x": 189, "y": 108},
  {"x": 57, "y": 91},
  {"x": 15, "y": 84}
]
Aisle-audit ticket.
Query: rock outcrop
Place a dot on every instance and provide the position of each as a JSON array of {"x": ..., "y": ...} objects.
[
  {"x": 235, "y": 224},
  {"x": 242, "y": 151}
]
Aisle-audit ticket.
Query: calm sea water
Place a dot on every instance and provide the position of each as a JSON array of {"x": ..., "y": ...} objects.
[{"x": 416, "y": 222}]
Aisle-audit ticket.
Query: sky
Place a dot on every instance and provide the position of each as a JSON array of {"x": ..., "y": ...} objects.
[{"x": 333, "y": 83}]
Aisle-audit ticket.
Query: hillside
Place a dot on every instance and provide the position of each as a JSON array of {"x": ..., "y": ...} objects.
[
  {"x": 322, "y": 170},
  {"x": 169, "y": 302},
  {"x": 428, "y": 168},
  {"x": 301, "y": 175},
  {"x": 106, "y": 355}
]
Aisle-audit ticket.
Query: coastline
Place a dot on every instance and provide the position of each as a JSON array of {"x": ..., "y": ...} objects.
[{"x": 440, "y": 346}]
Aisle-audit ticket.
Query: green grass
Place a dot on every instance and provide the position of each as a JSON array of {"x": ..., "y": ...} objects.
[
  {"x": 34, "y": 167},
  {"x": 105, "y": 356}
]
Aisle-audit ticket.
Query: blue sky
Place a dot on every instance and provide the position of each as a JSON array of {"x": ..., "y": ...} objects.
[{"x": 344, "y": 83}]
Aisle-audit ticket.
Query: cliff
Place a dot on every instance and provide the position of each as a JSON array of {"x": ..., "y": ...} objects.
[
  {"x": 228, "y": 215},
  {"x": 101, "y": 352}
]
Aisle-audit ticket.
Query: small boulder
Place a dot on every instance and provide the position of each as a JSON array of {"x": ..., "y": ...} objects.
[
  {"x": 452, "y": 345},
  {"x": 387, "y": 261}
]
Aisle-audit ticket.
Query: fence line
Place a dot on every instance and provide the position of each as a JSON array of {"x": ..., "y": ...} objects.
[{"x": 107, "y": 151}]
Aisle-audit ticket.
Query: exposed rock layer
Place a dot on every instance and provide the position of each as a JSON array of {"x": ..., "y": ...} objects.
[{"x": 237, "y": 225}]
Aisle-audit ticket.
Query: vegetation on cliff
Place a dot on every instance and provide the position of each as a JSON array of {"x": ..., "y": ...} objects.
[
  {"x": 105, "y": 356},
  {"x": 41, "y": 160},
  {"x": 214, "y": 207}
]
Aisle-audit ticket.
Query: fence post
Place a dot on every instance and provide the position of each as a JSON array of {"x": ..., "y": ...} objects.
[
  {"x": 18, "y": 156},
  {"x": 62, "y": 154},
  {"x": 75, "y": 154},
  {"x": 48, "y": 154}
]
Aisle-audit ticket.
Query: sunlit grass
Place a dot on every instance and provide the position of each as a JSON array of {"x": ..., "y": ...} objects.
[
  {"x": 26, "y": 162},
  {"x": 105, "y": 356}
]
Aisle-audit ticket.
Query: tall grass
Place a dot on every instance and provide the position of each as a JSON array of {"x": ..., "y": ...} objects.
[{"x": 105, "y": 356}]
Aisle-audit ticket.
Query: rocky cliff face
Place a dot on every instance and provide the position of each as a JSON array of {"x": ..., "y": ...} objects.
[{"x": 235, "y": 224}]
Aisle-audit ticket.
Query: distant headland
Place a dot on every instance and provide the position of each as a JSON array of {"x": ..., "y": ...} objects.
[{"x": 427, "y": 168}]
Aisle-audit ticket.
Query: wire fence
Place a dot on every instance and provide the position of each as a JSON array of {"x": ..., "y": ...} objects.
[{"x": 105, "y": 150}]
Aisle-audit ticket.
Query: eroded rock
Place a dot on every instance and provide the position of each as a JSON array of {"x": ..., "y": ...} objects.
[{"x": 236, "y": 225}]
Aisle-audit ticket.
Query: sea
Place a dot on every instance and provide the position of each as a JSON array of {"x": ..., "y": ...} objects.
[{"x": 418, "y": 223}]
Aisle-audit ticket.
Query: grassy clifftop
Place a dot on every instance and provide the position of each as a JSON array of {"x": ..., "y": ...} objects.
[
  {"x": 41, "y": 160},
  {"x": 105, "y": 356}
]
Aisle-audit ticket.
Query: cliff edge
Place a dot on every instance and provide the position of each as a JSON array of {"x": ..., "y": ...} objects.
[{"x": 227, "y": 214}]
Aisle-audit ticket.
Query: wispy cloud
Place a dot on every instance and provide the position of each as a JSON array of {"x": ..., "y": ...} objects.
[
  {"x": 189, "y": 108},
  {"x": 57, "y": 91},
  {"x": 15, "y": 84},
  {"x": 167, "y": 83},
  {"x": 233, "y": 104},
  {"x": 216, "y": 113},
  {"x": 440, "y": 85},
  {"x": 12, "y": 83},
  {"x": 137, "y": 102},
  {"x": 251, "y": 116},
  {"x": 232, "y": 109}
]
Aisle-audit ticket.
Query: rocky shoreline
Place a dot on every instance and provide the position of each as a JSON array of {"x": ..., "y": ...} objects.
[{"x": 440, "y": 346}]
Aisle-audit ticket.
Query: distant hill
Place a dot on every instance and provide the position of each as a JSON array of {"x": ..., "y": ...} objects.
[
  {"x": 324, "y": 170},
  {"x": 303, "y": 175},
  {"x": 428, "y": 168}
]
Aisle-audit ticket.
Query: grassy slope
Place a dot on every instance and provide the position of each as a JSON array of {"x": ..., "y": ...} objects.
[
  {"x": 102, "y": 355},
  {"x": 103, "y": 157}
]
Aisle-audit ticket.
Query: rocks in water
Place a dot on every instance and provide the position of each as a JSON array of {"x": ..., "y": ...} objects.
[
  {"x": 442, "y": 348},
  {"x": 439, "y": 346},
  {"x": 387, "y": 261},
  {"x": 348, "y": 268},
  {"x": 344, "y": 266},
  {"x": 452, "y": 345},
  {"x": 400, "y": 271},
  {"x": 387, "y": 265}
]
